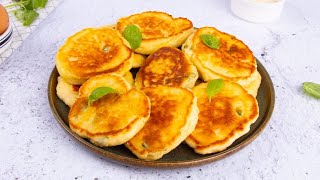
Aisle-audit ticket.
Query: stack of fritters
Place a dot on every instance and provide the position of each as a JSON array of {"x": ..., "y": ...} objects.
[{"x": 153, "y": 113}]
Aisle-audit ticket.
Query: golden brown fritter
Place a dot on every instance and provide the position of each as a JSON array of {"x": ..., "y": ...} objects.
[
  {"x": 91, "y": 52},
  {"x": 224, "y": 119},
  {"x": 167, "y": 66}
]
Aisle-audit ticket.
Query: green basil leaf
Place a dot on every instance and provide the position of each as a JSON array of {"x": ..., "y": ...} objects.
[
  {"x": 214, "y": 87},
  {"x": 29, "y": 17},
  {"x": 312, "y": 88},
  {"x": 99, "y": 93},
  {"x": 42, "y": 3},
  {"x": 210, "y": 40},
  {"x": 35, "y": 4},
  {"x": 26, "y": 17},
  {"x": 28, "y": 5},
  {"x": 133, "y": 35},
  {"x": 19, "y": 14}
]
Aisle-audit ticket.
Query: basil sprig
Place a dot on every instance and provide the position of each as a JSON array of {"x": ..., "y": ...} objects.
[
  {"x": 312, "y": 88},
  {"x": 25, "y": 16},
  {"x": 210, "y": 40},
  {"x": 133, "y": 35},
  {"x": 99, "y": 93},
  {"x": 27, "y": 13},
  {"x": 214, "y": 87}
]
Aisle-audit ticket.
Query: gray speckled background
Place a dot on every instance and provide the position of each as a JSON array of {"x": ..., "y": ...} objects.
[{"x": 34, "y": 146}]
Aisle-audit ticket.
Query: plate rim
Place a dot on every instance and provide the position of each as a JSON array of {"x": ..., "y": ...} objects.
[{"x": 119, "y": 159}]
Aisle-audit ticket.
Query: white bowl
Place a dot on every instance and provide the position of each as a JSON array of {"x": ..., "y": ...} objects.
[
  {"x": 257, "y": 11},
  {"x": 6, "y": 38}
]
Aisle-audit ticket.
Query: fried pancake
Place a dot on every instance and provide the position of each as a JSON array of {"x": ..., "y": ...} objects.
[
  {"x": 113, "y": 119},
  {"x": 167, "y": 66},
  {"x": 232, "y": 61},
  {"x": 174, "y": 115},
  {"x": 138, "y": 60},
  {"x": 224, "y": 119},
  {"x": 66, "y": 92},
  {"x": 91, "y": 52},
  {"x": 158, "y": 29},
  {"x": 69, "y": 93}
]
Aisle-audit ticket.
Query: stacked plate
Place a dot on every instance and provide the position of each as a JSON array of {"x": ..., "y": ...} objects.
[{"x": 5, "y": 39}]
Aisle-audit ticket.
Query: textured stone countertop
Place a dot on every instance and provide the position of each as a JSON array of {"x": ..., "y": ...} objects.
[{"x": 34, "y": 146}]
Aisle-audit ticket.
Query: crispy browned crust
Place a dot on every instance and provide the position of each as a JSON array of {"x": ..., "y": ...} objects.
[
  {"x": 76, "y": 88},
  {"x": 167, "y": 66}
]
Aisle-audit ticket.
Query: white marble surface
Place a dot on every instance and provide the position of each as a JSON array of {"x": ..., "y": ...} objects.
[{"x": 34, "y": 146}]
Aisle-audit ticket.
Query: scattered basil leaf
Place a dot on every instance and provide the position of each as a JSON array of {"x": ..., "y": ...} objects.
[
  {"x": 99, "y": 93},
  {"x": 210, "y": 40},
  {"x": 26, "y": 17},
  {"x": 133, "y": 35},
  {"x": 214, "y": 87},
  {"x": 312, "y": 88}
]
